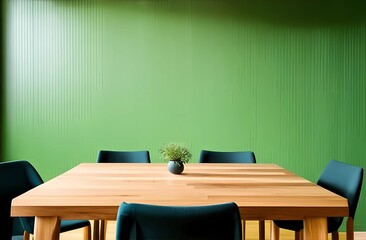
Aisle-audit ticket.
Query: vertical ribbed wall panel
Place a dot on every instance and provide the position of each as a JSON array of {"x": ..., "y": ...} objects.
[
  {"x": 56, "y": 56},
  {"x": 286, "y": 81},
  {"x": 54, "y": 53}
]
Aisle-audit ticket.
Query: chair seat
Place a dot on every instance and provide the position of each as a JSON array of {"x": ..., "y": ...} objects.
[
  {"x": 17, "y": 238},
  {"x": 295, "y": 225},
  {"x": 68, "y": 225}
]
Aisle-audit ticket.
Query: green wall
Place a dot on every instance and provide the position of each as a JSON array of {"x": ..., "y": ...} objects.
[{"x": 286, "y": 80}]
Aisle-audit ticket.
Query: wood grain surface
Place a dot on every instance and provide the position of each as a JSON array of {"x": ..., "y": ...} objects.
[{"x": 262, "y": 191}]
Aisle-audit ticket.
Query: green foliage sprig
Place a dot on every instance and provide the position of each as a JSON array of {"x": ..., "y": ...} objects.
[{"x": 176, "y": 152}]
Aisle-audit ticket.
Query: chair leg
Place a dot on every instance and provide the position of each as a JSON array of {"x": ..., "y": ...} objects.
[
  {"x": 335, "y": 235},
  {"x": 275, "y": 231},
  {"x": 297, "y": 235},
  {"x": 26, "y": 235},
  {"x": 243, "y": 229},
  {"x": 96, "y": 230},
  {"x": 350, "y": 229},
  {"x": 87, "y": 233},
  {"x": 103, "y": 229},
  {"x": 262, "y": 234}
]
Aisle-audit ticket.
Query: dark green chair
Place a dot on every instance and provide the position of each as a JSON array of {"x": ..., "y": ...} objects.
[
  {"x": 17, "y": 177},
  {"x": 226, "y": 157},
  {"x": 106, "y": 156},
  {"x": 142, "y": 222},
  {"x": 10, "y": 227},
  {"x": 340, "y": 178},
  {"x": 232, "y": 157}
]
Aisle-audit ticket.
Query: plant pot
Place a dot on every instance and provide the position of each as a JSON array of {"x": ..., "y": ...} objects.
[{"x": 175, "y": 167}]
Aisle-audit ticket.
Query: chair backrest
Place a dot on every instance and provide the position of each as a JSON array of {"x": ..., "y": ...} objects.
[
  {"x": 105, "y": 156},
  {"x": 142, "y": 221},
  {"x": 16, "y": 177},
  {"x": 226, "y": 157},
  {"x": 345, "y": 180}
]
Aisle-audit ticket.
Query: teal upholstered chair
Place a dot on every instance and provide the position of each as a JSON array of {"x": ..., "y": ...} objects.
[
  {"x": 106, "y": 156},
  {"x": 142, "y": 222},
  {"x": 232, "y": 157},
  {"x": 343, "y": 179},
  {"x": 226, "y": 157},
  {"x": 17, "y": 177}
]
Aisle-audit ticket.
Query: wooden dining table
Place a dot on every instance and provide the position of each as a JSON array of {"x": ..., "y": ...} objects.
[{"x": 261, "y": 191}]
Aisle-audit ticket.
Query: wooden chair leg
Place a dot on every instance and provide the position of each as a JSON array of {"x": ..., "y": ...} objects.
[
  {"x": 103, "y": 229},
  {"x": 350, "y": 229},
  {"x": 26, "y": 235},
  {"x": 275, "y": 231},
  {"x": 335, "y": 235},
  {"x": 262, "y": 234},
  {"x": 297, "y": 235},
  {"x": 87, "y": 233},
  {"x": 243, "y": 229},
  {"x": 96, "y": 230}
]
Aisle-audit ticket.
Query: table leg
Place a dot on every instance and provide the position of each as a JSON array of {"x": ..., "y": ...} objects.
[
  {"x": 262, "y": 225},
  {"x": 96, "y": 230},
  {"x": 315, "y": 228},
  {"x": 103, "y": 229},
  {"x": 47, "y": 228}
]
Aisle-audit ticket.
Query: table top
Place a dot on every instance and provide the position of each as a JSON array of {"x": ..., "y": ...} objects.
[{"x": 262, "y": 191}]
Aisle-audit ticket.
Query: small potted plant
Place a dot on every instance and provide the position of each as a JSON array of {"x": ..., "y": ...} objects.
[{"x": 177, "y": 155}]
